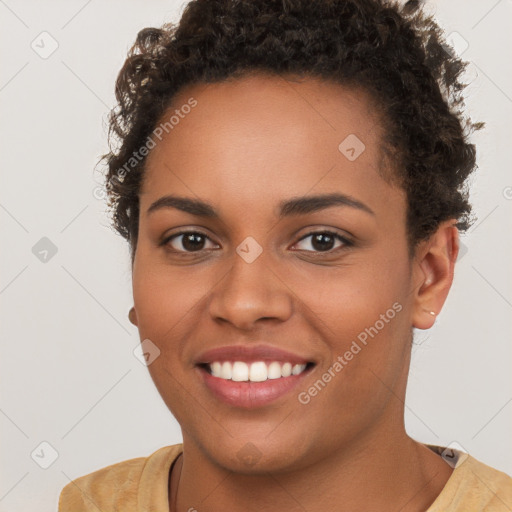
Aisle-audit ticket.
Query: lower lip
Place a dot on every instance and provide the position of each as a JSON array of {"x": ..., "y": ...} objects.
[{"x": 250, "y": 395}]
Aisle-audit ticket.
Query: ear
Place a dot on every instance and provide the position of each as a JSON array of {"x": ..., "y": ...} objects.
[
  {"x": 132, "y": 315},
  {"x": 433, "y": 270}
]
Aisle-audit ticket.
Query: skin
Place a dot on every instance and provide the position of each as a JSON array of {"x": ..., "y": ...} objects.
[{"x": 247, "y": 145}]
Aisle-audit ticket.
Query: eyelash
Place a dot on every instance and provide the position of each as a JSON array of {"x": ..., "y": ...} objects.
[{"x": 345, "y": 241}]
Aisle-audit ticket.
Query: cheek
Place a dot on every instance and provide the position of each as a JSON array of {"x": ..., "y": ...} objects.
[
  {"x": 364, "y": 322},
  {"x": 348, "y": 299},
  {"x": 361, "y": 311},
  {"x": 166, "y": 298}
]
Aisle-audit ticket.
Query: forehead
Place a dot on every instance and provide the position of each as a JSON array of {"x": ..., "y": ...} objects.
[{"x": 267, "y": 137}]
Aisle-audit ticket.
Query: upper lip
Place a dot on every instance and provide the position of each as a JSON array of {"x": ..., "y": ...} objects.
[{"x": 250, "y": 353}]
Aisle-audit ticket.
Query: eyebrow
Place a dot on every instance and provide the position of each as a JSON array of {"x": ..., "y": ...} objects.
[{"x": 294, "y": 206}]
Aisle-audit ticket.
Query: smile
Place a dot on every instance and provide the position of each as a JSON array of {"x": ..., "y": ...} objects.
[
  {"x": 250, "y": 376},
  {"x": 259, "y": 371},
  {"x": 251, "y": 385}
]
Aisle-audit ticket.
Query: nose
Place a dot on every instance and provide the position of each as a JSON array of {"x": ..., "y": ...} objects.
[{"x": 250, "y": 293}]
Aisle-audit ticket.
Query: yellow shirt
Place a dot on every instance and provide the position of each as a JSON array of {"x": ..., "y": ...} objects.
[{"x": 141, "y": 485}]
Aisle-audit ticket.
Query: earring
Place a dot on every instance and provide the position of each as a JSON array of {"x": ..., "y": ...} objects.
[{"x": 429, "y": 312}]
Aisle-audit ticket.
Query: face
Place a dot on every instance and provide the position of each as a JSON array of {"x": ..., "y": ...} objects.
[{"x": 266, "y": 274}]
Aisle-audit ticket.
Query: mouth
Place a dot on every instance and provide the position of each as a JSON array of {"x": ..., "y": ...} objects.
[
  {"x": 258, "y": 371},
  {"x": 251, "y": 377}
]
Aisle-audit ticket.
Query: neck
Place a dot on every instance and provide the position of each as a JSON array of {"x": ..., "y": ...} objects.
[{"x": 376, "y": 472}]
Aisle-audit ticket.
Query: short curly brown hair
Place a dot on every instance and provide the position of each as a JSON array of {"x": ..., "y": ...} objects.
[{"x": 397, "y": 54}]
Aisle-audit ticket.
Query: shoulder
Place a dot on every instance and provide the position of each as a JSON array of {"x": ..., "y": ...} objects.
[
  {"x": 119, "y": 486},
  {"x": 493, "y": 487},
  {"x": 475, "y": 486}
]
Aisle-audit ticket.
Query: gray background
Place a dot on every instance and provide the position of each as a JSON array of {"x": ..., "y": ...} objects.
[{"x": 68, "y": 373}]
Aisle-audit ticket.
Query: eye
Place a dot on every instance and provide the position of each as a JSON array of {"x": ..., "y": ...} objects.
[
  {"x": 187, "y": 241},
  {"x": 195, "y": 241},
  {"x": 323, "y": 241}
]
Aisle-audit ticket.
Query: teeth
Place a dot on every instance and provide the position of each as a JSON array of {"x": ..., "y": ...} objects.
[
  {"x": 286, "y": 369},
  {"x": 240, "y": 371},
  {"x": 225, "y": 372},
  {"x": 298, "y": 368},
  {"x": 274, "y": 370},
  {"x": 216, "y": 369},
  {"x": 258, "y": 372}
]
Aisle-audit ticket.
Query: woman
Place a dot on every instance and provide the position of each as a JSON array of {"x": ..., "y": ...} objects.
[{"x": 290, "y": 176}]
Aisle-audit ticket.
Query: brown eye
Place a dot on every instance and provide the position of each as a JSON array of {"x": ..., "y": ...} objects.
[
  {"x": 187, "y": 241},
  {"x": 324, "y": 241}
]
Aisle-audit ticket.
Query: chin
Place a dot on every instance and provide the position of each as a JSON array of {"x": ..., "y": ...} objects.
[{"x": 253, "y": 455}]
